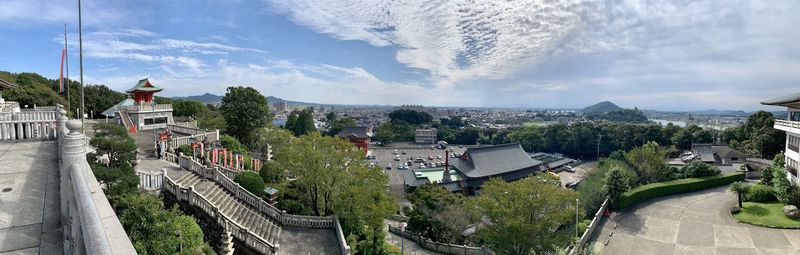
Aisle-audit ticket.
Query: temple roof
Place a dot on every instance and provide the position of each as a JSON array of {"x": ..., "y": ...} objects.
[
  {"x": 494, "y": 160},
  {"x": 4, "y": 84},
  {"x": 360, "y": 132},
  {"x": 791, "y": 100},
  {"x": 144, "y": 85}
]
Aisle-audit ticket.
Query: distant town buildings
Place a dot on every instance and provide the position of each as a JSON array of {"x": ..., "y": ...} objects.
[
  {"x": 281, "y": 106},
  {"x": 425, "y": 135},
  {"x": 791, "y": 125}
]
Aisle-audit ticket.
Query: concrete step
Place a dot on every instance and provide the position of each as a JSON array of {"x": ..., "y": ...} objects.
[{"x": 183, "y": 178}]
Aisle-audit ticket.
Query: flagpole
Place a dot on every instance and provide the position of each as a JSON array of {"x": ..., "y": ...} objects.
[
  {"x": 80, "y": 56},
  {"x": 66, "y": 85}
]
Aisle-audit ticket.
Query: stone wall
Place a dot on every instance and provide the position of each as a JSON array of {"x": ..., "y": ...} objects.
[
  {"x": 444, "y": 248},
  {"x": 588, "y": 233}
]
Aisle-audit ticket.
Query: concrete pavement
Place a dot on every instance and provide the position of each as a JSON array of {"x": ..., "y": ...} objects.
[{"x": 693, "y": 223}]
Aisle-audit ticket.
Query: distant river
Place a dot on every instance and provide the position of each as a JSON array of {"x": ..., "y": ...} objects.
[{"x": 674, "y": 122}]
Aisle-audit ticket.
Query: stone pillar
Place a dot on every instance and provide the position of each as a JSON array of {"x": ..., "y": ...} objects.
[
  {"x": 28, "y": 132},
  {"x": 20, "y": 131}
]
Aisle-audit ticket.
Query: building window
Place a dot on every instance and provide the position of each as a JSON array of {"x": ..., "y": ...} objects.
[
  {"x": 794, "y": 116},
  {"x": 791, "y": 166},
  {"x": 159, "y": 120}
]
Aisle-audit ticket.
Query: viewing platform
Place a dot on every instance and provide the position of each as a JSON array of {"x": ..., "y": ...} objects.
[
  {"x": 788, "y": 126},
  {"x": 50, "y": 200}
]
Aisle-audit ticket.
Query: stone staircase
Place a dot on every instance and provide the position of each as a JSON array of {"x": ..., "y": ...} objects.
[
  {"x": 240, "y": 212},
  {"x": 126, "y": 121}
]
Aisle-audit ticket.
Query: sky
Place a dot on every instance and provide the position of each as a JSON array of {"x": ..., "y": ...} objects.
[{"x": 654, "y": 54}]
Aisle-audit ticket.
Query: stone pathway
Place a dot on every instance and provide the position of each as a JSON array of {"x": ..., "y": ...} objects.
[
  {"x": 30, "y": 205},
  {"x": 694, "y": 223},
  {"x": 410, "y": 246}
]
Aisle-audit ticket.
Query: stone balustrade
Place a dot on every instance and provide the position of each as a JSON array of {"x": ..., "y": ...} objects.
[
  {"x": 149, "y": 107},
  {"x": 151, "y": 181},
  {"x": 589, "y": 230},
  {"x": 90, "y": 224},
  {"x": 214, "y": 173},
  {"x": 186, "y": 140},
  {"x": 26, "y": 125}
]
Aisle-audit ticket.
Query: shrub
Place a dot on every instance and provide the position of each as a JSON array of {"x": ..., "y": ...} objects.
[
  {"x": 767, "y": 175},
  {"x": 660, "y": 189},
  {"x": 759, "y": 193},
  {"x": 794, "y": 196},
  {"x": 270, "y": 173},
  {"x": 782, "y": 185},
  {"x": 252, "y": 182},
  {"x": 699, "y": 169}
]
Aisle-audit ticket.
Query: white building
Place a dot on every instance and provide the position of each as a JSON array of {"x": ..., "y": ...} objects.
[
  {"x": 792, "y": 127},
  {"x": 425, "y": 135}
]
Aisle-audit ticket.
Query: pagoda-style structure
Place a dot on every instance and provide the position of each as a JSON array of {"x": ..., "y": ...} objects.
[{"x": 143, "y": 113}]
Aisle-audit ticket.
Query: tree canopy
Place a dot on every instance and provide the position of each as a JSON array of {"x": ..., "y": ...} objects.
[
  {"x": 411, "y": 116},
  {"x": 244, "y": 110}
]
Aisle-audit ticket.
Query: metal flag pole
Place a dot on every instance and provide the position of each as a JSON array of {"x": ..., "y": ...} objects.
[
  {"x": 80, "y": 56},
  {"x": 66, "y": 49}
]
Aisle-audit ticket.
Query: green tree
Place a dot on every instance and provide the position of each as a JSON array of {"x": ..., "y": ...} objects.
[
  {"x": 270, "y": 173},
  {"x": 154, "y": 230},
  {"x": 779, "y": 160},
  {"x": 740, "y": 188},
  {"x": 190, "y": 108},
  {"x": 211, "y": 120},
  {"x": 767, "y": 175},
  {"x": 291, "y": 122},
  {"x": 526, "y": 215},
  {"x": 305, "y": 123},
  {"x": 339, "y": 124},
  {"x": 411, "y": 116},
  {"x": 232, "y": 144},
  {"x": 616, "y": 183},
  {"x": 438, "y": 214},
  {"x": 697, "y": 168},
  {"x": 276, "y": 138},
  {"x": 113, "y": 141},
  {"x": 684, "y": 138},
  {"x": 783, "y": 188},
  {"x": 648, "y": 162},
  {"x": 244, "y": 110},
  {"x": 251, "y": 182},
  {"x": 383, "y": 133}
]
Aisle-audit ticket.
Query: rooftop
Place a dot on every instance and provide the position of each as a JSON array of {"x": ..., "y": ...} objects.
[
  {"x": 792, "y": 100},
  {"x": 494, "y": 160},
  {"x": 436, "y": 174},
  {"x": 4, "y": 84},
  {"x": 144, "y": 85},
  {"x": 360, "y": 132}
]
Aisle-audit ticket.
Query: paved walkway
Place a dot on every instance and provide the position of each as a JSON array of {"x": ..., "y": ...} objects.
[
  {"x": 694, "y": 223},
  {"x": 30, "y": 206}
]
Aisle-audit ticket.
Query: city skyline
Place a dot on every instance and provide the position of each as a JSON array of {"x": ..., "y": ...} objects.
[{"x": 659, "y": 55}]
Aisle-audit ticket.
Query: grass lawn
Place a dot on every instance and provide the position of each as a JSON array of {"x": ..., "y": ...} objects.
[{"x": 768, "y": 214}]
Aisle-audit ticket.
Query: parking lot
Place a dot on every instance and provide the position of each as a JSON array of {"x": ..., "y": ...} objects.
[{"x": 385, "y": 156}]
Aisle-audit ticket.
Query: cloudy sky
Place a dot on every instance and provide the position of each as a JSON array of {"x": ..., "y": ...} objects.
[{"x": 667, "y": 55}]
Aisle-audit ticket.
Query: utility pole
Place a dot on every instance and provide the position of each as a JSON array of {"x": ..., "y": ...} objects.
[
  {"x": 66, "y": 50},
  {"x": 576, "y": 220},
  {"x": 599, "y": 136},
  {"x": 80, "y": 56}
]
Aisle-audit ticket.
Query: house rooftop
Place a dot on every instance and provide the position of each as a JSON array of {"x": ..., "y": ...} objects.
[{"x": 4, "y": 84}]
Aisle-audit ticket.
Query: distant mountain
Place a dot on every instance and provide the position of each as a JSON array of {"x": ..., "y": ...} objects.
[
  {"x": 604, "y": 106},
  {"x": 209, "y": 98},
  {"x": 730, "y": 113},
  {"x": 206, "y": 98}
]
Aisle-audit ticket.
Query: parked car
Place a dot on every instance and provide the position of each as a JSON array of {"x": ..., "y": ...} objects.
[
  {"x": 389, "y": 166},
  {"x": 394, "y": 152},
  {"x": 430, "y": 157},
  {"x": 570, "y": 169},
  {"x": 403, "y": 152},
  {"x": 438, "y": 156},
  {"x": 396, "y": 158}
]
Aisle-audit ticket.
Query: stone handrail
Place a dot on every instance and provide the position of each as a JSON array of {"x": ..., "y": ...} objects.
[
  {"x": 186, "y": 140},
  {"x": 194, "y": 198},
  {"x": 28, "y": 125},
  {"x": 89, "y": 221},
  {"x": 188, "y": 130},
  {"x": 343, "y": 247},
  {"x": 148, "y": 107},
  {"x": 445, "y": 248},
  {"x": 262, "y": 206},
  {"x": 9, "y": 106},
  {"x": 787, "y": 123},
  {"x": 589, "y": 230}
]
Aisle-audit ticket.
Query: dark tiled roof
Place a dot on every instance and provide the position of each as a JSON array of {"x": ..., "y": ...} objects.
[
  {"x": 494, "y": 160},
  {"x": 360, "y": 132},
  {"x": 704, "y": 152},
  {"x": 725, "y": 151},
  {"x": 784, "y": 100},
  {"x": 144, "y": 85},
  {"x": 4, "y": 84}
]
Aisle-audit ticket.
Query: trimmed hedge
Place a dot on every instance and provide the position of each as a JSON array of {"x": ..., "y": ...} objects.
[{"x": 661, "y": 189}]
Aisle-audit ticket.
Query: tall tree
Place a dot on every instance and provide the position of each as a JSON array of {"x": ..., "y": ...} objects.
[
  {"x": 438, "y": 214},
  {"x": 305, "y": 123},
  {"x": 245, "y": 110},
  {"x": 291, "y": 122},
  {"x": 526, "y": 216},
  {"x": 190, "y": 108},
  {"x": 648, "y": 161}
]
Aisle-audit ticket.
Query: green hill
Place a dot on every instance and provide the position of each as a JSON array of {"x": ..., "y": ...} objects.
[{"x": 603, "y": 107}]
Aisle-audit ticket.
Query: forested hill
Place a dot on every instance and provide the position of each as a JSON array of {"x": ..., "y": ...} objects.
[
  {"x": 34, "y": 89},
  {"x": 603, "y": 107}
]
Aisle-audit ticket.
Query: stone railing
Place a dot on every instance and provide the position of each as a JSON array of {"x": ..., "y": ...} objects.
[
  {"x": 186, "y": 140},
  {"x": 444, "y": 248},
  {"x": 89, "y": 223},
  {"x": 786, "y": 124},
  {"x": 188, "y": 130},
  {"x": 26, "y": 125},
  {"x": 149, "y": 107},
  {"x": 152, "y": 180},
  {"x": 9, "y": 106},
  {"x": 589, "y": 230},
  {"x": 246, "y": 236},
  {"x": 343, "y": 247},
  {"x": 256, "y": 202}
]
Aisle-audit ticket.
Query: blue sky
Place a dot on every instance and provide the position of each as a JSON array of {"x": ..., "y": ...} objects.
[{"x": 668, "y": 55}]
